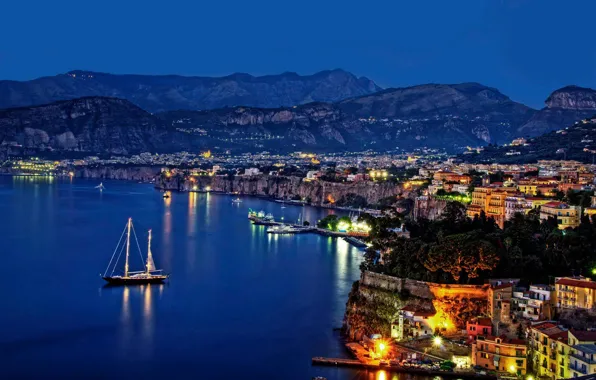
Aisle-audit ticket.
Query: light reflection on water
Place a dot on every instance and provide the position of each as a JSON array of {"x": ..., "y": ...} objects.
[{"x": 268, "y": 302}]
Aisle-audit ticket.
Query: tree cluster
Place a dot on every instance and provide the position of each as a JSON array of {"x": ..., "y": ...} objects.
[{"x": 457, "y": 249}]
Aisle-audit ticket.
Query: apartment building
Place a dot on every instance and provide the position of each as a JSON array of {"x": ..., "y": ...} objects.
[
  {"x": 581, "y": 360},
  {"x": 516, "y": 204},
  {"x": 566, "y": 215},
  {"x": 577, "y": 292},
  {"x": 537, "y": 303},
  {"x": 479, "y": 327},
  {"x": 491, "y": 200},
  {"x": 549, "y": 347},
  {"x": 500, "y": 354}
]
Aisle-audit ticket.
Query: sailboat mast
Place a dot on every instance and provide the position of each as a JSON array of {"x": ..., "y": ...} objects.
[
  {"x": 127, "y": 247},
  {"x": 149, "y": 255}
]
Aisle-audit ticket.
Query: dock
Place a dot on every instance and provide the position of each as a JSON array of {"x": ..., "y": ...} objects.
[
  {"x": 376, "y": 365},
  {"x": 319, "y": 360}
]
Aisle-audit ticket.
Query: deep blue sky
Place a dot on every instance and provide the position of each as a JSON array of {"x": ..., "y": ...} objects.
[{"x": 524, "y": 48}]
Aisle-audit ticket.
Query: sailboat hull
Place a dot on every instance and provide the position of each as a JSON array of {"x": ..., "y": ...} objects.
[{"x": 135, "y": 280}]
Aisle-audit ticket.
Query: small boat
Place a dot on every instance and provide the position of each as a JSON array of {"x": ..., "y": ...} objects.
[
  {"x": 284, "y": 229},
  {"x": 148, "y": 276},
  {"x": 236, "y": 200},
  {"x": 166, "y": 195},
  {"x": 101, "y": 187},
  {"x": 268, "y": 218}
]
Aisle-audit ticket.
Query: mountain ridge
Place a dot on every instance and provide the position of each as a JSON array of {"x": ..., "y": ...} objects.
[
  {"x": 442, "y": 116},
  {"x": 158, "y": 93}
]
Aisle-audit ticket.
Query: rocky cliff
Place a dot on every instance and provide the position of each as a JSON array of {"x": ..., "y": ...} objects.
[
  {"x": 314, "y": 192},
  {"x": 157, "y": 93},
  {"x": 93, "y": 124},
  {"x": 129, "y": 173},
  {"x": 441, "y": 116},
  {"x": 564, "y": 107}
]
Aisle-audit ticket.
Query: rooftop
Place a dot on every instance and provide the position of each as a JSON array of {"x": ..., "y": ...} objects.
[{"x": 577, "y": 283}]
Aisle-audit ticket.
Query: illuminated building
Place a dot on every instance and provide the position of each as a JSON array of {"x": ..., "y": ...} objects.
[
  {"x": 499, "y": 302},
  {"x": 575, "y": 293},
  {"x": 491, "y": 200},
  {"x": 537, "y": 304},
  {"x": 592, "y": 209},
  {"x": 500, "y": 354},
  {"x": 412, "y": 323},
  {"x": 566, "y": 216},
  {"x": 550, "y": 350},
  {"x": 583, "y": 360},
  {"x": 479, "y": 327},
  {"x": 516, "y": 204}
]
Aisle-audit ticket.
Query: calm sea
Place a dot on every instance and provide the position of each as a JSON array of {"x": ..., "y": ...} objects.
[{"x": 240, "y": 304}]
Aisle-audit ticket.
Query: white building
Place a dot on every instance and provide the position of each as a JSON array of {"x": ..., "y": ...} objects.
[{"x": 252, "y": 171}]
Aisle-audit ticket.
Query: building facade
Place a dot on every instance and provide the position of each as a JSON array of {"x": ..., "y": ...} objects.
[
  {"x": 500, "y": 354},
  {"x": 566, "y": 216},
  {"x": 575, "y": 293}
]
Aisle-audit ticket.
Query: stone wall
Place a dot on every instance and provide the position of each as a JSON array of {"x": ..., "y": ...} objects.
[{"x": 421, "y": 289}]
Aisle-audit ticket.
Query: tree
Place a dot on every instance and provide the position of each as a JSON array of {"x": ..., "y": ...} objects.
[
  {"x": 462, "y": 256},
  {"x": 329, "y": 222}
]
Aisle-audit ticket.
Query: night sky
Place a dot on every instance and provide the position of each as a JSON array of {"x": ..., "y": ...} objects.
[{"x": 524, "y": 48}]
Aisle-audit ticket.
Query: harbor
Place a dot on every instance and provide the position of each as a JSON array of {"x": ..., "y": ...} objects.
[{"x": 276, "y": 227}]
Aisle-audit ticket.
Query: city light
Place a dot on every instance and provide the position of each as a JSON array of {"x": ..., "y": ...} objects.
[
  {"x": 512, "y": 369},
  {"x": 343, "y": 226},
  {"x": 437, "y": 341}
]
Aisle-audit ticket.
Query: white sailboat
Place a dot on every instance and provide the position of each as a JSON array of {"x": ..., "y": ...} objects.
[
  {"x": 148, "y": 276},
  {"x": 101, "y": 187}
]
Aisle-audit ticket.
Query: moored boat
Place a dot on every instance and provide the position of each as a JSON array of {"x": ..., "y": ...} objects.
[{"x": 148, "y": 276}]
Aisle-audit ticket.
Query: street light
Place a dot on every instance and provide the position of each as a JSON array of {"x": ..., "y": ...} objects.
[{"x": 437, "y": 341}]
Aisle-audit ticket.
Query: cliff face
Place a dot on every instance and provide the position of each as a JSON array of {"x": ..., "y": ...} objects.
[
  {"x": 563, "y": 108},
  {"x": 430, "y": 208},
  {"x": 106, "y": 125},
  {"x": 442, "y": 116},
  {"x": 156, "y": 93},
  {"x": 137, "y": 173},
  {"x": 315, "y": 192}
]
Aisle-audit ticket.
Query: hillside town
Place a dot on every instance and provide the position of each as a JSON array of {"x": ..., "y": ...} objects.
[{"x": 504, "y": 326}]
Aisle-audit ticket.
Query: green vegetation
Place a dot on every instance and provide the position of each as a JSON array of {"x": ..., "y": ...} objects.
[
  {"x": 463, "y": 250},
  {"x": 453, "y": 196}
]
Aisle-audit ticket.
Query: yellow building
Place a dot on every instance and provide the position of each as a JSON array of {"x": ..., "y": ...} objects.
[
  {"x": 567, "y": 216},
  {"x": 548, "y": 345},
  {"x": 576, "y": 293},
  {"x": 491, "y": 200},
  {"x": 592, "y": 209},
  {"x": 500, "y": 354}
]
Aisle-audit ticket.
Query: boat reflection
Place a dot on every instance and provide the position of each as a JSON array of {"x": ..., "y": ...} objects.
[{"x": 134, "y": 298}]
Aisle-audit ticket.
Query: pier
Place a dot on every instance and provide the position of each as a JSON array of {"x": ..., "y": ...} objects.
[
  {"x": 354, "y": 240},
  {"x": 377, "y": 365}
]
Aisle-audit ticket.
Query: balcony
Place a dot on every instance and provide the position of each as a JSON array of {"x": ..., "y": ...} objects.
[
  {"x": 578, "y": 369},
  {"x": 567, "y": 290},
  {"x": 583, "y": 359}
]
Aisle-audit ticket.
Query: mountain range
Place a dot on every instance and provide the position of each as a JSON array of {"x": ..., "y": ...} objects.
[
  {"x": 328, "y": 111},
  {"x": 158, "y": 93},
  {"x": 575, "y": 142}
]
